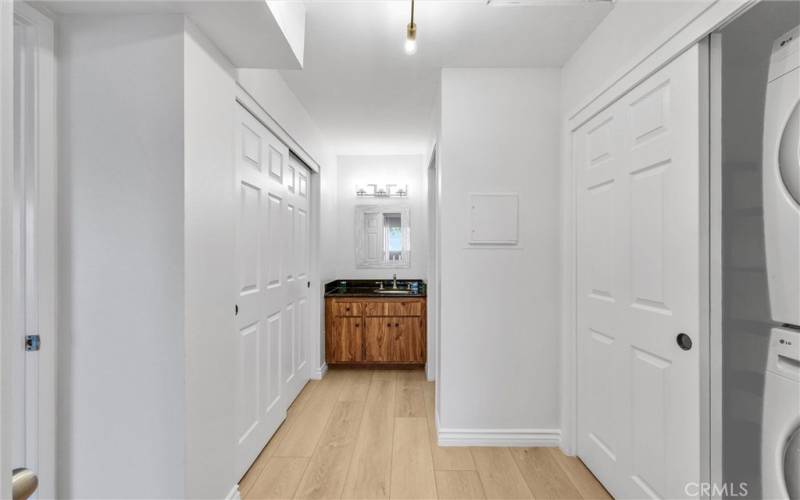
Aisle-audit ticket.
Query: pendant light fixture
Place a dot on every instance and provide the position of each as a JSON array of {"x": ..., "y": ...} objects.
[{"x": 411, "y": 34}]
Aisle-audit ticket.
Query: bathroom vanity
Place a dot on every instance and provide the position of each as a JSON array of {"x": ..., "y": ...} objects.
[{"x": 366, "y": 324}]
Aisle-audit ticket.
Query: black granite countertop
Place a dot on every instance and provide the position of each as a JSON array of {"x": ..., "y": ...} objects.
[{"x": 368, "y": 288}]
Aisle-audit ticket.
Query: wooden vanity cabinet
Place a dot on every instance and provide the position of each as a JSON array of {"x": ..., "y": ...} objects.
[{"x": 375, "y": 331}]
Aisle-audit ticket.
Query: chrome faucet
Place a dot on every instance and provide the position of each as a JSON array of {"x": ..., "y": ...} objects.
[{"x": 394, "y": 281}]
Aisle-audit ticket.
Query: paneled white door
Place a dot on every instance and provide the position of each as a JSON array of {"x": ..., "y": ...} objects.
[
  {"x": 637, "y": 169},
  {"x": 272, "y": 295},
  {"x": 295, "y": 372}
]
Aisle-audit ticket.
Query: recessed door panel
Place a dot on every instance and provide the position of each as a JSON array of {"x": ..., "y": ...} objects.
[
  {"x": 276, "y": 159},
  {"x": 303, "y": 333},
  {"x": 301, "y": 250},
  {"x": 248, "y": 376},
  {"x": 649, "y": 112},
  {"x": 249, "y": 238},
  {"x": 289, "y": 242},
  {"x": 602, "y": 393},
  {"x": 271, "y": 373},
  {"x": 599, "y": 238},
  {"x": 649, "y": 412},
  {"x": 600, "y": 140},
  {"x": 274, "y": 235},
  {"x": 648, "y": 213},
  {"x": 289, "y": 339},
  {"x": 290, "y": 177},
  {"x": 302, "y": 184},
  {"x": 251, "y": 147}
]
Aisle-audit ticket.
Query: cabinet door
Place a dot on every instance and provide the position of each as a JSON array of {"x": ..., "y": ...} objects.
[
  {"x": 407, "y": 340},
  {"x": 377, "y": 338},
  {"x": 348, "y": 338}
]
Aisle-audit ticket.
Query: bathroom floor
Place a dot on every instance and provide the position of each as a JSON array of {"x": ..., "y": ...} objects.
[{"x": 371, "y": 434}]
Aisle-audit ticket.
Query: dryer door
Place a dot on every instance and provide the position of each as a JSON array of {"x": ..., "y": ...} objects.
[
  {"x": 789, "y": 156},
  {"x": 782, "y": 196},
  {"x": 791, "y": 465}
]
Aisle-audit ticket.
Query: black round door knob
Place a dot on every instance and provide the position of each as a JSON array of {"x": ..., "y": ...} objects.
[{"x": 684, "y": 341}]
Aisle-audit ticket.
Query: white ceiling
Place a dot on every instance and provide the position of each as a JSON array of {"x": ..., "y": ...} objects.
[{"x": 369, "y": 97}]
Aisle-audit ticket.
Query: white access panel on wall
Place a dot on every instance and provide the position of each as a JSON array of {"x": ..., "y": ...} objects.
[
  {"x": 272, "y": 311},
  {"x": 494, "y": 219},
  {"x": 637, "y": 168}
]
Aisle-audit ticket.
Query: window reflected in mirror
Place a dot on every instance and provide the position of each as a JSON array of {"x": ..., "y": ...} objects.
[
  {"x": 383, "y": 237},
  {"x": 393, "y": 234}
]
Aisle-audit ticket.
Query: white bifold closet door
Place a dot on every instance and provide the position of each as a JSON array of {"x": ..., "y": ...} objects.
[
  {"x": 272, "y": 190},
  {"x": 639, "y": 274}
]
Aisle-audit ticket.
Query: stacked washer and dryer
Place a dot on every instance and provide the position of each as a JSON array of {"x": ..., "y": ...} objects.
[{"x": 780, "y": 444}]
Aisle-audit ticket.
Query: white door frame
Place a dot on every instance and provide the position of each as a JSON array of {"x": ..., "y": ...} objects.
[
  {"x": 432, "y": 177},
  {"x": 661, "y": 52},
  {"x": 6, "y": 212},
  {"x": 43, "y": 146}
]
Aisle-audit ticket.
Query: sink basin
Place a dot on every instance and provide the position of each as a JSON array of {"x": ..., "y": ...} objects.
[{"x": 392, "y": 291}]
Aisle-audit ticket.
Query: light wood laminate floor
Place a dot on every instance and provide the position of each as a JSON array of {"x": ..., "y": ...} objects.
[{"x": 370, "y": 434}]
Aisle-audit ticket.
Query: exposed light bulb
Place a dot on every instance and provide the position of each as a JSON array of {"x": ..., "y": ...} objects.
[
  {"x": 411, "y": 39},
  {"x": 411, "y": 46},
  {"x": 411, "y": 34}
]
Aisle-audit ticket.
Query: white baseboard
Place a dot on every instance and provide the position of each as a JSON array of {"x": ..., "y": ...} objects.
[
  {"x": 528, "y": 438},
  {"x": 234, "y": 493},
  {"x": 318, "y": 373}
]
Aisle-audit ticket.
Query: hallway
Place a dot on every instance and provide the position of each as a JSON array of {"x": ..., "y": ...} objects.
[{"x": 371, "y": 434}]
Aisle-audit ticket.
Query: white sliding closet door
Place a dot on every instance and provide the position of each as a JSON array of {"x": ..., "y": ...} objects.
[
  {"x": 294, "y": 372},
  {"x": 637, "y": 168},
  {"x": 272, "y": 295}
]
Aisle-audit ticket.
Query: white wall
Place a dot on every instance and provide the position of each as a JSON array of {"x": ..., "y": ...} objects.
[
  {"x": 146, "y": 208},
  {"x": 328, "y": 245},
  {"x": 394, "y": 169},
  {"x": 121, "y": 209},
  {"x": 209, "y": 90},
  {"x": 329, "y": 225},
  {"x": 499, "y": 309},
  {"x": 620, "y": 39}
]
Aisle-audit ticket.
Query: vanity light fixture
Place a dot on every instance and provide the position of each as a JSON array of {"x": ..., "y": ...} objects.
[
  {"x": 411, "y": 34},
  {"x": 387, "y": 191}
]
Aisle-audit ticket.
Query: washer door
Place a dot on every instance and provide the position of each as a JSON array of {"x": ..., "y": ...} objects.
[
  {"x": 791, "y": 465},
  {"x": 789, "y": 156}
]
